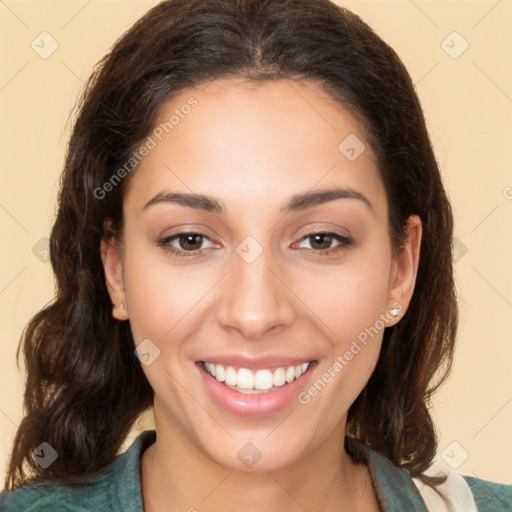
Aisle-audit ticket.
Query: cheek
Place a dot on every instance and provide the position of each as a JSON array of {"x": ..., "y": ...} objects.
[
  {"x": 349, "y": 298},
  {"x": 161, "y": 297},
  {"x": 350, "y": 304},
  {"x": 165, "y": 305}
]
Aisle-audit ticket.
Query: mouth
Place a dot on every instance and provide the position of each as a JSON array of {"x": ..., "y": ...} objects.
[
  {"x": 255, "y": 381},
  {"x": 263, "y": 390}
]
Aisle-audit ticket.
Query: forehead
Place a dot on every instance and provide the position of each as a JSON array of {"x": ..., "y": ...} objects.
[{"x": 252, "y": 142}]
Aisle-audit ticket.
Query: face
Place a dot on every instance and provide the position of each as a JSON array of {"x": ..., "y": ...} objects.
[{"x": 255, "y": 247}]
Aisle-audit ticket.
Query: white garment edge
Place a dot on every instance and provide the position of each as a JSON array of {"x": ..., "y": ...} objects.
[{"x": 454, "y": 495}]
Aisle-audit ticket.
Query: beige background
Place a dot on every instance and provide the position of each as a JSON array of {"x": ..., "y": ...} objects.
[{"x": 468, "y": 104}]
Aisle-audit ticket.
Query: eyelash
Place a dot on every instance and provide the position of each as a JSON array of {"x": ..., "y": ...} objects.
[{"x": 344, "y": 242}]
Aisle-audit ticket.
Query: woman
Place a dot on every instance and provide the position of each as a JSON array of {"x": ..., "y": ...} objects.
[{"x": 253, "y": 238}]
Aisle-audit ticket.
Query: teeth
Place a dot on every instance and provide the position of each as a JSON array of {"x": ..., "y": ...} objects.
[
  {"x": 263, "y": 380},
  {"x": 245, "y": 379},
  {"x": 230, "y": 376},
  {"x": 279, "y": 377},
  {"x": 249, "y": 382},
  {"x": 219, "y": 372}
]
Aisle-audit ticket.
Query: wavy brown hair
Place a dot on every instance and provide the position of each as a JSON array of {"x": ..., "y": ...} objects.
[{"x": 85, "y": 387}]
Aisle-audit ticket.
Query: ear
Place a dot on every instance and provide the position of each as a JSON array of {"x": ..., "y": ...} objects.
[
  {"x": 113, "y": 267},
  {"x": 404, "y": 271}
]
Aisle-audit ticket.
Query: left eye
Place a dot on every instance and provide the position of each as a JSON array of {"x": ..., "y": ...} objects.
[{"x": 323, "y": 241}]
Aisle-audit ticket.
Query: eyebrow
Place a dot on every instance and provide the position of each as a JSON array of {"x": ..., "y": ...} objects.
[{"x": 297, "y": 202}]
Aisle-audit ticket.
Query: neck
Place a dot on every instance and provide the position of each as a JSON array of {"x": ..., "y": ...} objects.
[{"x": 178, "y": 476}]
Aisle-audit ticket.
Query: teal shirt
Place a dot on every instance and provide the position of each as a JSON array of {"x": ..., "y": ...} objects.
[{"x": 117, "y": 489}]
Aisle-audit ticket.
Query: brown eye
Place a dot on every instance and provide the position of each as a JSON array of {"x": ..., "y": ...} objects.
[
  {"x": 322, "y": 243},
  {"x": 190, "y": 241},
  {"x": 185, "y": 244}
]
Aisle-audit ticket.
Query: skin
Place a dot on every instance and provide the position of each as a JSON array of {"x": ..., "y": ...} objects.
[{"x": 253, "y": 148}]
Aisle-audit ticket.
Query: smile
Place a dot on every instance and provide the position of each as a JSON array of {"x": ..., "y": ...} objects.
[
  {"x": 268, "y": 387},
  {"x": 249, "y": 381}
]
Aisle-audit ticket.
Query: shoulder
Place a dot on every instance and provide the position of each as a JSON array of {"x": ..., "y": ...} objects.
[
  {"x": 468, "y": 494},
  {"x": 55, "y": 497},
  {"x": 490, "y": 496},
  {"x": 398, "y": 491},
  {"x": 116, "y": 487},
  {"x": 50, "y": 497}
]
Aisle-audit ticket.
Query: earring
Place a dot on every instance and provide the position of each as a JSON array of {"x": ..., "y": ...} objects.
[
  {"x": 394, "y": 312},
  {"x": 120, "y": 312}
]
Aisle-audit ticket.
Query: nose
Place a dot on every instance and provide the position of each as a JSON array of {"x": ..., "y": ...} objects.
[{"x": 255, "y": 298}]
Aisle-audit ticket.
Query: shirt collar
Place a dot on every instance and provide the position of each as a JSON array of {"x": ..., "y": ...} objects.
[{"x": 395, "y": 488}]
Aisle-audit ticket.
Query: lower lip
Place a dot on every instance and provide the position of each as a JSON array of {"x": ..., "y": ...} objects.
[{"x": 254, "y": 405}]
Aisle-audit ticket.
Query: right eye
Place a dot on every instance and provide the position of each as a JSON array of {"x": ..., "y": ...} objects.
[{"x": 183, "y": 244}]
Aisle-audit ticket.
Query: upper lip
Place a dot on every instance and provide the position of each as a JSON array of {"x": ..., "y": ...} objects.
[{"x": 256, "y": 362}]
